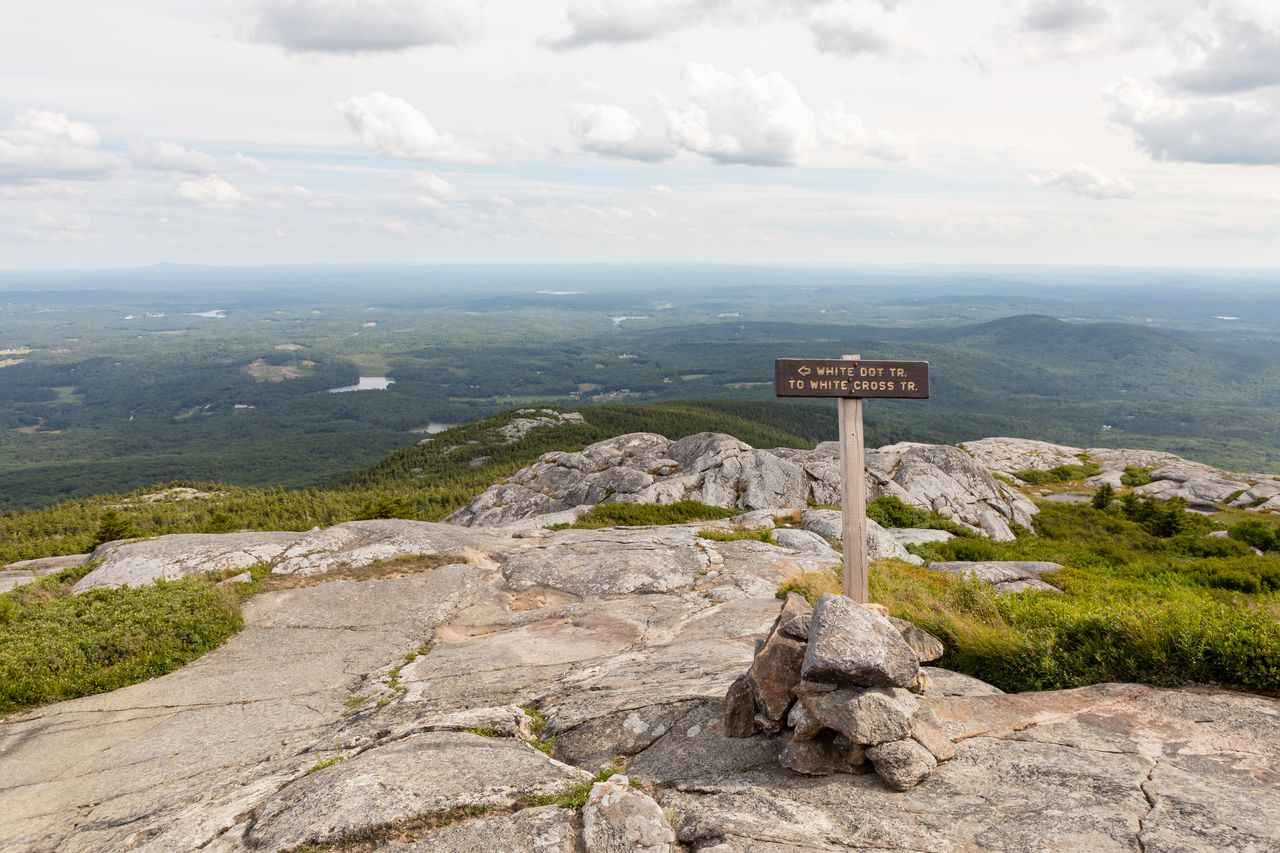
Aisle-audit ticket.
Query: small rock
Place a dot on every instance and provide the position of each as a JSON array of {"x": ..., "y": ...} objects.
[
  {"x": 776, "y": 667},
  {"x": 739, "y": 709},
  {"x": 243, "y": 577},
  {"x": 849, "y": 644},
  {"x": 902, "y": 764},
  {"x": 819, "y": 756},
  {"x": 620, "y": 819},
  {"x": 872, "y": 716},
  {"x": 803, "y": 724},
  {"x": 921, "y": 683},
  {"x": 798, "y": 627},
  {"x": 926, "y": 732},
  {"x": 926, "y": 646}
]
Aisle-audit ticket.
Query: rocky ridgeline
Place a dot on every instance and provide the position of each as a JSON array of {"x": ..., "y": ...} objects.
[
  {"x": 838, "y": 682},
  {"x": 1202, "y": 486},
  {"x": 720, "y": 470}
]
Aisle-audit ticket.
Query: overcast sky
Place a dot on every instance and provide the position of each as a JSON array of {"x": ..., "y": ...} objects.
[{"x": 849, "y": 131}]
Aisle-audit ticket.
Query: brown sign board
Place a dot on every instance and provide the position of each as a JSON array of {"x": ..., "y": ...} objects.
[{"x": 833, "y": 377}]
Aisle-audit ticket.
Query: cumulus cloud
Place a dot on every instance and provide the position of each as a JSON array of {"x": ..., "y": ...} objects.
[
  {"x": 171, "y": 157},
  {"x": 1201, "y": 130},
  {"x": 210, "y": 191},
  {"x": 395, "y": 128},
  {"x": 1234, "y": 54},
  {"x": 850, "y": 131},
  {"x": 743, "y": 118},
  {"x": 615, "y": 132},
  {"x": 1083, "y": 179},
  {"x": 365, "y": 26},
  {"x": 846, "y": 27},
  {"x": 857, "y": 27},
  {"x": 1063, "y": 16},
  {"x": 40, "y": 144},
  {"x": 620, "y": 21}
]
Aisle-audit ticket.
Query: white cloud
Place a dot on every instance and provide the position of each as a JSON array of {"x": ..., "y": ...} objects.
[
  {"x": 210, "y": 191},
  {"x": 661, "y": 188},
  {"x": 615, "y": 132},
  {"x": 849, "y": 131},
  {"x": 620, "y": 21},
  {"x": 395, "y": 128},
  {"x": 40, "y": 144},
  {"x": 434, "y": 186},
  {"x": 1085, "y": 180},
  {"x": 365, "y": 26},
  {"x": 1202, "y": 130},
  {"x": 1234, "y": 54},
  {"x": 856, "y": 27},
  {"x": 245, "y": 163},
  {"x": 743, "y": 118},
  {"x": 171, "y": 157},
  {"x": 1063, "y": 16}
]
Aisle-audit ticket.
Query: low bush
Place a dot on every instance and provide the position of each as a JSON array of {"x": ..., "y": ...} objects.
[
  {"x": 1134, "y": 607},
  {"x": 636, "y": 515},
  {"x": 888, "y": 511},
  {"x": 755, "y": 534},
  {"x": 1255, "y": 533},
  {"x": 1060, "y": 474},
  {"x": 55, "y": 646}
]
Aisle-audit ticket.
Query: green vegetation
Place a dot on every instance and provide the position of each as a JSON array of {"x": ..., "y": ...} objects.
[
  {"x": 754, "y": 534},
  {"x": 1255, "y": 533},
  {"x": 425, "y": 482},
  {"x": 324, "y": 763},
  {"x": 888, "y": 511},
  {"x": 636, "y": 515},
  {"x": 1134, "y": 476},
  {"x": 1060, "y": 474},
  {"x": 120, "y": 387},
  {"x": 55, "y": 645},
  {"x": 1135, "y": 606},
  {"x": 483, "y": 731},
  {"x": 573, "y": 797}
]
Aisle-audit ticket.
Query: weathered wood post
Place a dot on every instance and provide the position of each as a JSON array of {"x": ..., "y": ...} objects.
[
  {"x": 853, "y": 506},
  {"x": 851, "y": 379}
]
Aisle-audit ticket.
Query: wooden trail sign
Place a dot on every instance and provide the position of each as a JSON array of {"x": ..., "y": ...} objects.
[{"x": 851, "y": 379}]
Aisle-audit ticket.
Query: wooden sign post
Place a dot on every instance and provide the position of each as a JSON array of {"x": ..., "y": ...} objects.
[{"x": 850, "y": 380}]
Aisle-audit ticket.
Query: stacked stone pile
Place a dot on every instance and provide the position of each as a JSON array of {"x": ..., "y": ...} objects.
[{"x": 839, "y": 683}]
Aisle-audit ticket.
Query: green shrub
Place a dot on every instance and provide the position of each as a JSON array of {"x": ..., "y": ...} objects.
[
  {"x": 1103, "y": 497},
  {"x": 55, "y": 646},
  {"x": 1060, "y": 474},
  {"x": 1134, "y": 607},
  {"x": 755, "y": 534},
  {"x": 888, "y": 511},
  {"x": 1134, "y": 476},
  {"x": 1255, "y": 533},
  {"x": 636, "y": 515}
]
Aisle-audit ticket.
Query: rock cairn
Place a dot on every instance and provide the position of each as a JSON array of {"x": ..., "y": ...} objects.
[{"x": 840, "y": 683}]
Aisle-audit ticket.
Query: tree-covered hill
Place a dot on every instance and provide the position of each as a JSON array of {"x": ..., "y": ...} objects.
[{"x": 425, "y": 481}]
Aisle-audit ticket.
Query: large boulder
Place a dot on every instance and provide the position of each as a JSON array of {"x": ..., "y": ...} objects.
[
  {"x": 1006, "y": 576},
  {"x": 851, "y": 644}
]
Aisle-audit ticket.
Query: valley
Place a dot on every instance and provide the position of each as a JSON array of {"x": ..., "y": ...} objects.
[{"x": 136, "y": 381}]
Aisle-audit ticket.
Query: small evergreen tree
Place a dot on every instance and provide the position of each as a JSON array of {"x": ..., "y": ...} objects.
[
  {"x": 113, "y": 526},
  {"x": 1104, "y": 496}
]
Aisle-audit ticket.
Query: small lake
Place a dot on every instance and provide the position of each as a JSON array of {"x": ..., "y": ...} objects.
[{"x": 366, "y": 383}]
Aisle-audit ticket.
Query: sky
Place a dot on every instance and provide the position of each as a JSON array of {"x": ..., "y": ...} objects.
[{"x": 1097, "y": 132}]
